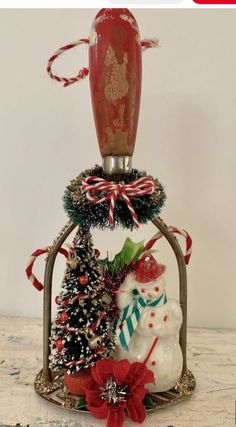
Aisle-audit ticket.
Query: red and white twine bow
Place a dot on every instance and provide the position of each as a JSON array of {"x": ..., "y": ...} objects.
[
  {"x": 67, "y": 81},
  {"x": 92, "y": 185},
  {"x": 184, "y": 233}
]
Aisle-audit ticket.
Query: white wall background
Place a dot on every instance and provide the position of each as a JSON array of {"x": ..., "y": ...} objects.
[{"x": 186, "y": 138}]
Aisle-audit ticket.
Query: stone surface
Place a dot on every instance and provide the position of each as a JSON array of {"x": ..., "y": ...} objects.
[{"x": 212, "y": 359}]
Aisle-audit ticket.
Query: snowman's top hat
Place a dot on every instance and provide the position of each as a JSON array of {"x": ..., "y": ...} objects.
[{"x": 148, "y": 269}]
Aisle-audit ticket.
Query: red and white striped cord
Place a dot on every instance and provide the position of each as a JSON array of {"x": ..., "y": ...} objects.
[
  {"x": 97, "y": 323},
  {"x": 184, "y": 233},
  {"x": 29, "y": 268},
  {"x": 137, "y": 188},
  {"x": 83, "y": 72},
  {"x": 149, "y": 43},
  {"x": 67, "y": 80},
  {"x": 79, "y": 362},
  {"x": 100, "y": 350}
]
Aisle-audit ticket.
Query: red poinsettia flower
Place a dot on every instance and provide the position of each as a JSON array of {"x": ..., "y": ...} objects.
[{"x": 116, "y": 387}]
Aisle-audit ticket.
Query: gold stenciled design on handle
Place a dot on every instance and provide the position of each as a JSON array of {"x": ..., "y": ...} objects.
[
  {"x": 119, "y": 121},
  {"x": 116, "y": 84},
  {"x": 116, "y": 87}
]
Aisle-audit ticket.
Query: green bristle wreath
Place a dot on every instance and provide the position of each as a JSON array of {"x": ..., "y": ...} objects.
[{"x": 89, "y": 215}]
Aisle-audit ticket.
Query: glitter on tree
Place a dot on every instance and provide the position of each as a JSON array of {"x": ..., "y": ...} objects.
[{"x": 81, "y": 327}]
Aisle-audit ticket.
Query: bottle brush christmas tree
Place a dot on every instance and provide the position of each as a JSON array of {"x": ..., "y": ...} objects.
[{"x": 82, "y": 333}]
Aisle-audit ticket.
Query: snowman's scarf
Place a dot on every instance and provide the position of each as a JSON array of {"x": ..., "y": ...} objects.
[{"x": 130, "y": 315}]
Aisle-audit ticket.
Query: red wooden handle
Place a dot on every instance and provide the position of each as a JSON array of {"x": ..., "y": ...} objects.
[{"x": 115, "y": 66}]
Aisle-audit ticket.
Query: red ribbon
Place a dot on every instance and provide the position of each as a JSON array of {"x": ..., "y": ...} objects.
[{"x": 112, "y": 190}]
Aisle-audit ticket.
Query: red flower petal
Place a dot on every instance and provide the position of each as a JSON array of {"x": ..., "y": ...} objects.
[
  {"x": 148, "y": 377},
  {"x": 92, "y": 397},
  {"x": 136, "y": 410},
  {"x": 91, "y": 391},
  {"x": 120, "y": 370},
  {"x": 102, "y": 371},
  {"x": 138, "y": 375},
  {"x": 115, "y": 417},
  {"x": 140, "y": 391},
  {"x": 89, "y": 386},
  {"x": 99, "y": 412}
]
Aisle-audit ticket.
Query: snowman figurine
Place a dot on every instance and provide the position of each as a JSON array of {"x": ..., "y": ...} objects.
[{"x": 148, "y": 326}]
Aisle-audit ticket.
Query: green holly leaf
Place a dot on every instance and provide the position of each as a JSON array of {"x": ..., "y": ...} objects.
[
  {"x": 81, "y": 404},
  {"x": 149, "y": 403},
  {"x": 128, "y": 254}
]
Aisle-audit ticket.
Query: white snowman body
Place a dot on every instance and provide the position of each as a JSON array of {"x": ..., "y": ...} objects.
[{"x": 164, "y": 322}]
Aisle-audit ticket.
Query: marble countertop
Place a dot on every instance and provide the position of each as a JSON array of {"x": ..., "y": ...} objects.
[{"x": 211, "y": 358}]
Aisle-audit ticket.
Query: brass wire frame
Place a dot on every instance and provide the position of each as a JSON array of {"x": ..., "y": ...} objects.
[{"x": 46, "y": 377}]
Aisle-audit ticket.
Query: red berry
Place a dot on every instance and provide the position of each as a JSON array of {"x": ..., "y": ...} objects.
[
  {"x": 64, "y": 316},
  {"x": 57, "y": 300},
  {"x": 148, "y": 269},
  {"x": 66, "y": 301},
  {"x": 97, "y": 253},
  {"x": 83, "y": 280},
  {"x": 59, "y": 344}
]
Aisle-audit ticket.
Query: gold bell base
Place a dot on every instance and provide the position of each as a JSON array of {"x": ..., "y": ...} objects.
[{"x": 56, "y": 393}]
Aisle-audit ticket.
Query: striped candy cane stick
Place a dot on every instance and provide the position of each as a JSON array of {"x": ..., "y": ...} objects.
[
  {"x": 29, "y": 268},
  {"x": 184, "y": 233}
]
